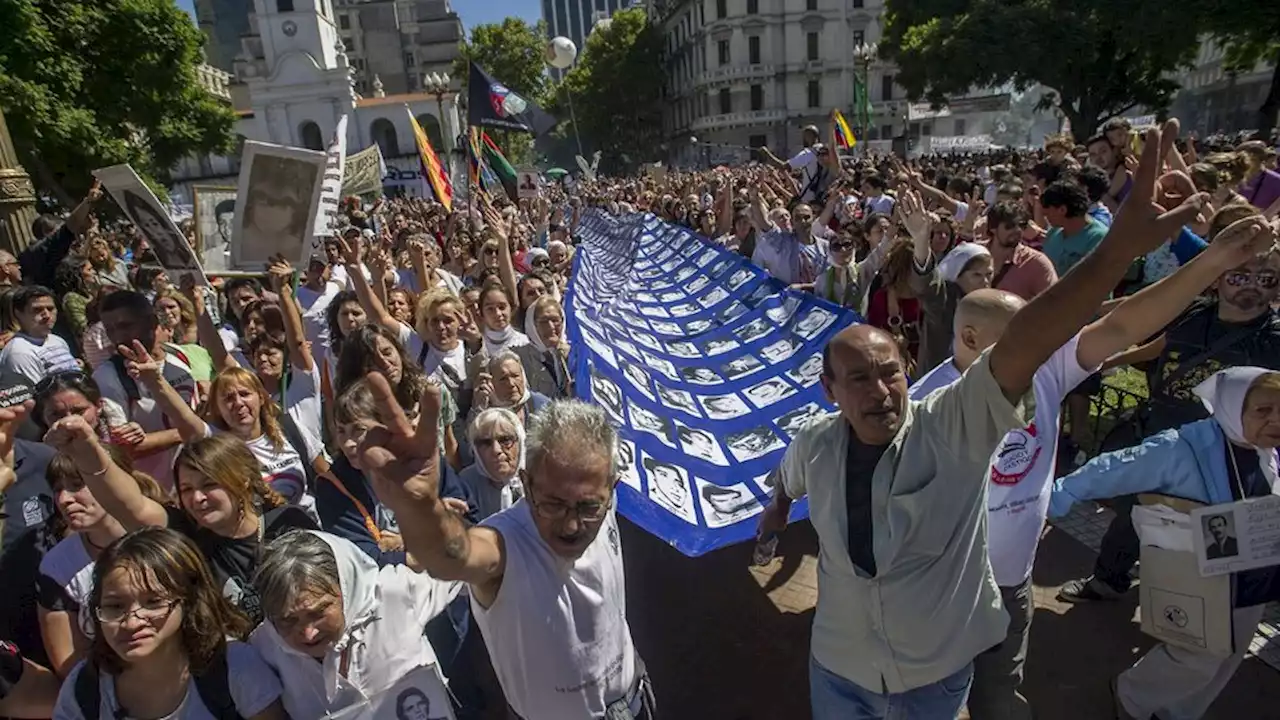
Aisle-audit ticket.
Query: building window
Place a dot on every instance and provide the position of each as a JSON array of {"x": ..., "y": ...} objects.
[
  {"x": 344, "y": 22},
  {"x": 721, "y": 9},
  {"x": 757, "y": 97},
  {"x": 815, "y": 94},
  {"x": 753, "y": 7},
  {"x": 886, "y": 87},
  {"x": 284, "y": 6},
  {"x": 726, "y": 105},
  {"x": 753, "y": 49},
  {"x": 915, "y": 129},
  {"x": 722, "y": 51},
  {"x": 886, "y": 132},
  {"x": 927, "y": 128},
  {"x": 857, "y": 3},
  {"x": 758, "y": 141},
  {"x": 873, "y": 134},
  {"x": 811, "y": 5},
  {"x": 960, "y": 126},
  {"x": 349, "y": 44},
  {"x": 811, "y": 43},
  {"x": 859, "y": 37},
  {"x": 309, "y": 135}
]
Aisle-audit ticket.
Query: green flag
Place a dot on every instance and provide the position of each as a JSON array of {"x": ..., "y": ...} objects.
[{"x": 499, "y": 165}]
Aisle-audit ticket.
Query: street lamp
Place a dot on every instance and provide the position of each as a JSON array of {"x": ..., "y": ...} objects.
[
  {"x": 438, "y": 84},
  {"x": 865, "y": 54}
]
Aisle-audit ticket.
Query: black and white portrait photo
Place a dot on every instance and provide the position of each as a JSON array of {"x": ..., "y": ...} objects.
[
  {"x": 638, "y": 377},
  {"x": 740, "y": 278},
  {"x": 695, "y": 327},
  {"x": 808, "y": 372},
  {"x": 753, "y": 330},
  {"x": 684, "y": 274},
  {"x": 720, "y": 268},
  {"x": 606, "y": 394},
  {"x": 770, "y": 391},
  {"x": 683, "y": 349},
  {"x": 701, "y": 444},
  {"x": 782, "y": 314},
  {"x": 1220, "y": 536},
  {"x": 780, "y": 350},
  {"x": 655, "y": 311},
  {"x": 643, "y": 297},
  {"x": 707, "y": 256},
  {"x": 666, "y": 328},
  {"x": 763, "y": 291},
  {"x": 413, "y": 704},
  {"x": 723, "y": 506},
  {"x": 733, "y": 312},
  {"x": 627, "y": 347},
  {"x": 279, "y": 192},
  {"x": 794, "y": 421},
  {"x": 140, "y": 205},
  {"x": 669, "y": 488},
  {"x": 215, "y": 216},
  {"x": 724, "y": 407},
  {"x": 627, "y": 473},
  {"x": 754, "y": 443},
  {"x": 672, "y": 296},
  {"x": 815, "y": 322},
  {"x": 685, "y": 309},
  {"x": 646, "y": 340},
  {"x": 700, "y": 376},
  {"x": 677, "y": 399},
  {"x": 741, "y": 366},
  {"x": 713, "y": 298},
  {"x": 590, "y": 322},
  {"x": 695, "y": 285},
  {"x": 657, "y": 364},
  {"x": 646, "y": 422},
  {"x": 720, "y": 346}
]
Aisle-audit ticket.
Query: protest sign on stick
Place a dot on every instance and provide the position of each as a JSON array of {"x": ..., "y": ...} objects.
[
  {"x": 363, "y": 172},
  {"x": 279, "y": 192},
  {"x": 326, "y": 222},
  {"x": 140, "y": 205}
]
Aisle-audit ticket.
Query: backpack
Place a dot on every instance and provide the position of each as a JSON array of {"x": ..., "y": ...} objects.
[{"x": 213, "y": 685}]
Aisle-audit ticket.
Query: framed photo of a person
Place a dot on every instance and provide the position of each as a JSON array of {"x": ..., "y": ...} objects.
[
  {"x": 279, "y": 192},
  {"x": 669, "y": 488},
  {"x": 723, "y": 506},
  {"x": 140, "y": 205},
  {"x": 215, "y": 216}
]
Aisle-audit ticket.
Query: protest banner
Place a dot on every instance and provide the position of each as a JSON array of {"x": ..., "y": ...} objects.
[
  {"x": 363, "y": 172},
  {"x": 279, "y": 191},
  {"x": 140, "y": 205},
  {"x": 419, "y": 695},
  {"x": 326, "y": 222},
  {"x": 707, "y": 365},
  {"x": 214, "y": 209},
  {"x": 527, "y": 183}
]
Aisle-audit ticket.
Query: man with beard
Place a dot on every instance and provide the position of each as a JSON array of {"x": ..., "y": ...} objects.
[
  {"x": 795, "y": 257},
  {"x": 1239, "y": 328},
  {"x": 1019, "y": 268}
]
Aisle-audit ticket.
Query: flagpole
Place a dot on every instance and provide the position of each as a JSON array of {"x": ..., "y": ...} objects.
[{"x": 573, "y": 118}]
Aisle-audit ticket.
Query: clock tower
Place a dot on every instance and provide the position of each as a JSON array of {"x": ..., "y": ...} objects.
[{"x": 288, "y": 26}]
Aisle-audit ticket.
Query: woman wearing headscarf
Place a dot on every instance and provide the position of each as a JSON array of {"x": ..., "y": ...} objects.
[
  {"x": 546, "y": 357},
  {"x": 339, "y": 629},
  {"x": 504, "y": 385},
  {"x": 1227, "y": 457},
  {"x": 494, "y": 479}
]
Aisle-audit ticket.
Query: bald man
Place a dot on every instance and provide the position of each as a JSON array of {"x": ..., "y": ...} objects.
[
  {"x": 906, "y": 596},
  {"x": 10, "y": 269},
  {"x": 1021, "y": 470}
]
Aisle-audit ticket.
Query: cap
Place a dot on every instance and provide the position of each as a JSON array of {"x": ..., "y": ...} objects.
[
  {"x": 810, "y": 128},
  {"x": 366, "y": 234},
  {"x": 351, "y": 230}
]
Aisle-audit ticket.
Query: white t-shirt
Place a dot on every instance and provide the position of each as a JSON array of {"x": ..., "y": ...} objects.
[
  {"x": 806, "y": 161},
  {"x": 282, "y": 467},
  {"x": 252, "y": 684},
  {"x": 882, "y": 204},
  {"x": 120, "y": 410},
  {"x": 1022, "y": 466},
  {"x": 315, "y": 307},
  {"x": 36, "y": 359},
  {"x": 431, "y": 361},
  {"x": 302, "y": 400},
  {"x": 65, "y": 581},
  {"x": 557, "y": 632}
]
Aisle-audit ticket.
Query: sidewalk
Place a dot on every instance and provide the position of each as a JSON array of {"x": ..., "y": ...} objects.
[{"x": 725, "y": 641}]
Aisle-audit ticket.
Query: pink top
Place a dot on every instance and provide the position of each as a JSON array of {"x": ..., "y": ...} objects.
[{"x": 1027, "y": 274}]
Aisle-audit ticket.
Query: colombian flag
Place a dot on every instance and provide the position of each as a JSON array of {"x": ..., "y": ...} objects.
[
  {"x": 844, "y": 136},
  {"x": 436, "y": 175}
]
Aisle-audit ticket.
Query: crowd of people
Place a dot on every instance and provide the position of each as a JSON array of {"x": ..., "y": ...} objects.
[{"x": 280, "y": 496}]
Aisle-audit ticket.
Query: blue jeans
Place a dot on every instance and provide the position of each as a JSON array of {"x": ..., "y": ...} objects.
[{"x": 834, "y": 698}]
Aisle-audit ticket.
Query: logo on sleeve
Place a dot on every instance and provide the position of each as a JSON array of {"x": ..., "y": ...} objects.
[{"x": 1016, "y": 456}]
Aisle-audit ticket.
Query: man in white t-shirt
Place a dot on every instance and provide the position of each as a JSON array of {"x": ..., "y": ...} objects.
[
  {"x": 128, "y": 316},
  {"x": 35, "y": 352},
  {"x": 546, "y": 575},
  {"x": 1023, "y": 464},
  {"x": 805, "y": 162}
]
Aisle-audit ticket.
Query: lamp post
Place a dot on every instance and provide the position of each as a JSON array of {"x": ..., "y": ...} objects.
[
  {"x": 865, "y": 54},
  {"x": 17, "y": 197},
  {"x": 438, "y": 84}
]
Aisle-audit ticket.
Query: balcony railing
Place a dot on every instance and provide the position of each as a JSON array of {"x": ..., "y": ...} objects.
[
  {"x": 734, "y": 72},
  {"x": 756, "y": 117}
]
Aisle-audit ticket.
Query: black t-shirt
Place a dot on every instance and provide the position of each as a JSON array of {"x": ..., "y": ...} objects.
[
  {"x": 1254, "y": 343},
  {"x": 20, "y": 568},
  {"x": 860, "y": 466},
  {"x": 28, "y": 504},
  {"x": 234, "y": 560}
]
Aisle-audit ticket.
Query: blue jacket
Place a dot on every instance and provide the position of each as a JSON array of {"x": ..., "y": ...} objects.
[{"x": 1188, "y": 462}]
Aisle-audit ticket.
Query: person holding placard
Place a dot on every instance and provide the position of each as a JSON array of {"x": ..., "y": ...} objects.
[{"x": 1227, "y": 458}]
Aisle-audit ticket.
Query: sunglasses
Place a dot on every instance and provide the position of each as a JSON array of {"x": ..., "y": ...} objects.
[
  {"x": 506, "y": 442},
  {"x": 48, "y": 381},
  {"x": 841, "y": 246},
  {"x": 1264, "y": 280},
  {"x": 491, "y": 251},
  {"x": 539, "y": 262}
]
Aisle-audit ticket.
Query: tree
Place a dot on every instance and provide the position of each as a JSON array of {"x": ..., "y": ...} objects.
[
  {"x": 90, "y": 83},
  {"x": 1102, "y": 57},
  {"x": 512, "y": 52},
  {"x": 1249, "y": 30},
  {"x": 616, "y": 90}
]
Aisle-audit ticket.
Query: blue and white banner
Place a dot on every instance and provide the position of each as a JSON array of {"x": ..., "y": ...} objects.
[{"x": 707, "y": 365}]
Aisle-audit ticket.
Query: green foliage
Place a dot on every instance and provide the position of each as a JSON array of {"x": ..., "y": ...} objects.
[
  {"x": 616, "y": 90},
  {"x": 512, "y": 52},
  {"x": 1249, "y": 30},
  {"x": 90, "y": 83},
  {"x": 1103, "y": 57}
]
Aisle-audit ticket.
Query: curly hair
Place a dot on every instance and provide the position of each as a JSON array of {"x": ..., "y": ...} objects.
[
  {"x": 168, "y": 564},
  {"x": 331, "y": 313},
  {"x": 359, "y": 357}
]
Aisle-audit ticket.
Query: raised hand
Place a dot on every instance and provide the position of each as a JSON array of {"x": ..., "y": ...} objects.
[
  {"x": 73, "y": 436},
  {"x": 1241, "y": 241},
  {"x": 914, "y": 216},
  {"x": 403, "y": 463},
  {"x": 10, "y": 419},
  {"x": 187, "y": 286},
  {"x": 139, "y": 363},
  {"x": 352, "y": 251},
  {"x": 281, "y": 273},
  {"x": 1142, "y": 223}
]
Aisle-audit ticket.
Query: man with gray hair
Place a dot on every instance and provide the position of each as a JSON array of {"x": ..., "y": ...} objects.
[{"x": 545, "y": 575}]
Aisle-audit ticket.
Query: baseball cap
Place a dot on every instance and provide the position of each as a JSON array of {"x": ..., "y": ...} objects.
[{"x": 810, "y": 128}]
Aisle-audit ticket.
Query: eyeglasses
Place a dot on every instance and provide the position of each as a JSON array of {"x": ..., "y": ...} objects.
[
  {"x": 491, "y": 251},
  {"x": 506, "y": 442},
  {"x": 149, "y": 612},
  {"x": 1264, "y": 280},
  {"x": 48, "y": 381},
  {"x": 587, "y": 512},
  {"x": 541, "y": 261},
  {"x": 841, "y": 246}
]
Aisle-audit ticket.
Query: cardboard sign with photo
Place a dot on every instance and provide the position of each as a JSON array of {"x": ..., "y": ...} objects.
[
  {"x": 279, "y": 193},
  {"x": 140, "y": 205},
  {"x": 419, "y": 695},
  {"x": 215, "y": 218}
]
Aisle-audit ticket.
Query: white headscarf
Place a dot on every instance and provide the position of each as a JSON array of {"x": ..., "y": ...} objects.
[
  {"x": 498, "y": 341},
  {"x": 510, "y": 485},
  {"x": 952, "y": 264},
  {"x": 1223, "y": 395}
]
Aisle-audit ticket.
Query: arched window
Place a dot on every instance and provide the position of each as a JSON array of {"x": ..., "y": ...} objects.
[
  {"x": 384, "y": 134},
  {"x": 431, "y": 126},
  {"x": 309, "y": 134}
]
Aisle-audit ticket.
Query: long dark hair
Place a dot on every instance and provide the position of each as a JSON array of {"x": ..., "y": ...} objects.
[
  {"x": 358, "y": 358},
  {"x": 169, "y": 565},
  {"x": 75, "y": 381},
  {"x": 331, "y": 318}
]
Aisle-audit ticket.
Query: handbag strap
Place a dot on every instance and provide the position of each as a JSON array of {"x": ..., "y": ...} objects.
[{"x": 1185, "y": 368}]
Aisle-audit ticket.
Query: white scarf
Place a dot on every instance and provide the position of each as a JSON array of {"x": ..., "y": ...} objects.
[
  {"x": 510, "y": 486},
  {"x": 1223, "y": 396},
  {"x": 497, "y": 341},
  {"x": 455, "y": 358}
]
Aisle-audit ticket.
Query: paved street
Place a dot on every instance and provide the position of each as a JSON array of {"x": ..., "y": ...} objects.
[{"x": 728, "y": 642}]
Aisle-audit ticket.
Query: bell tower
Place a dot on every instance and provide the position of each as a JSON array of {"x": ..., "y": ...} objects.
[{"x": 290, "y": 26}]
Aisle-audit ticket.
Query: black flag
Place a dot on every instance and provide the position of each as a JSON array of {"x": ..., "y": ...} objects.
[{"x": 492, "y": 104}]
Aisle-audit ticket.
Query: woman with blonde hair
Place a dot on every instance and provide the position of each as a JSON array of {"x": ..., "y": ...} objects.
[
  {"x": 161, "y": 644},
  {"x": 224, "y": 505}
]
